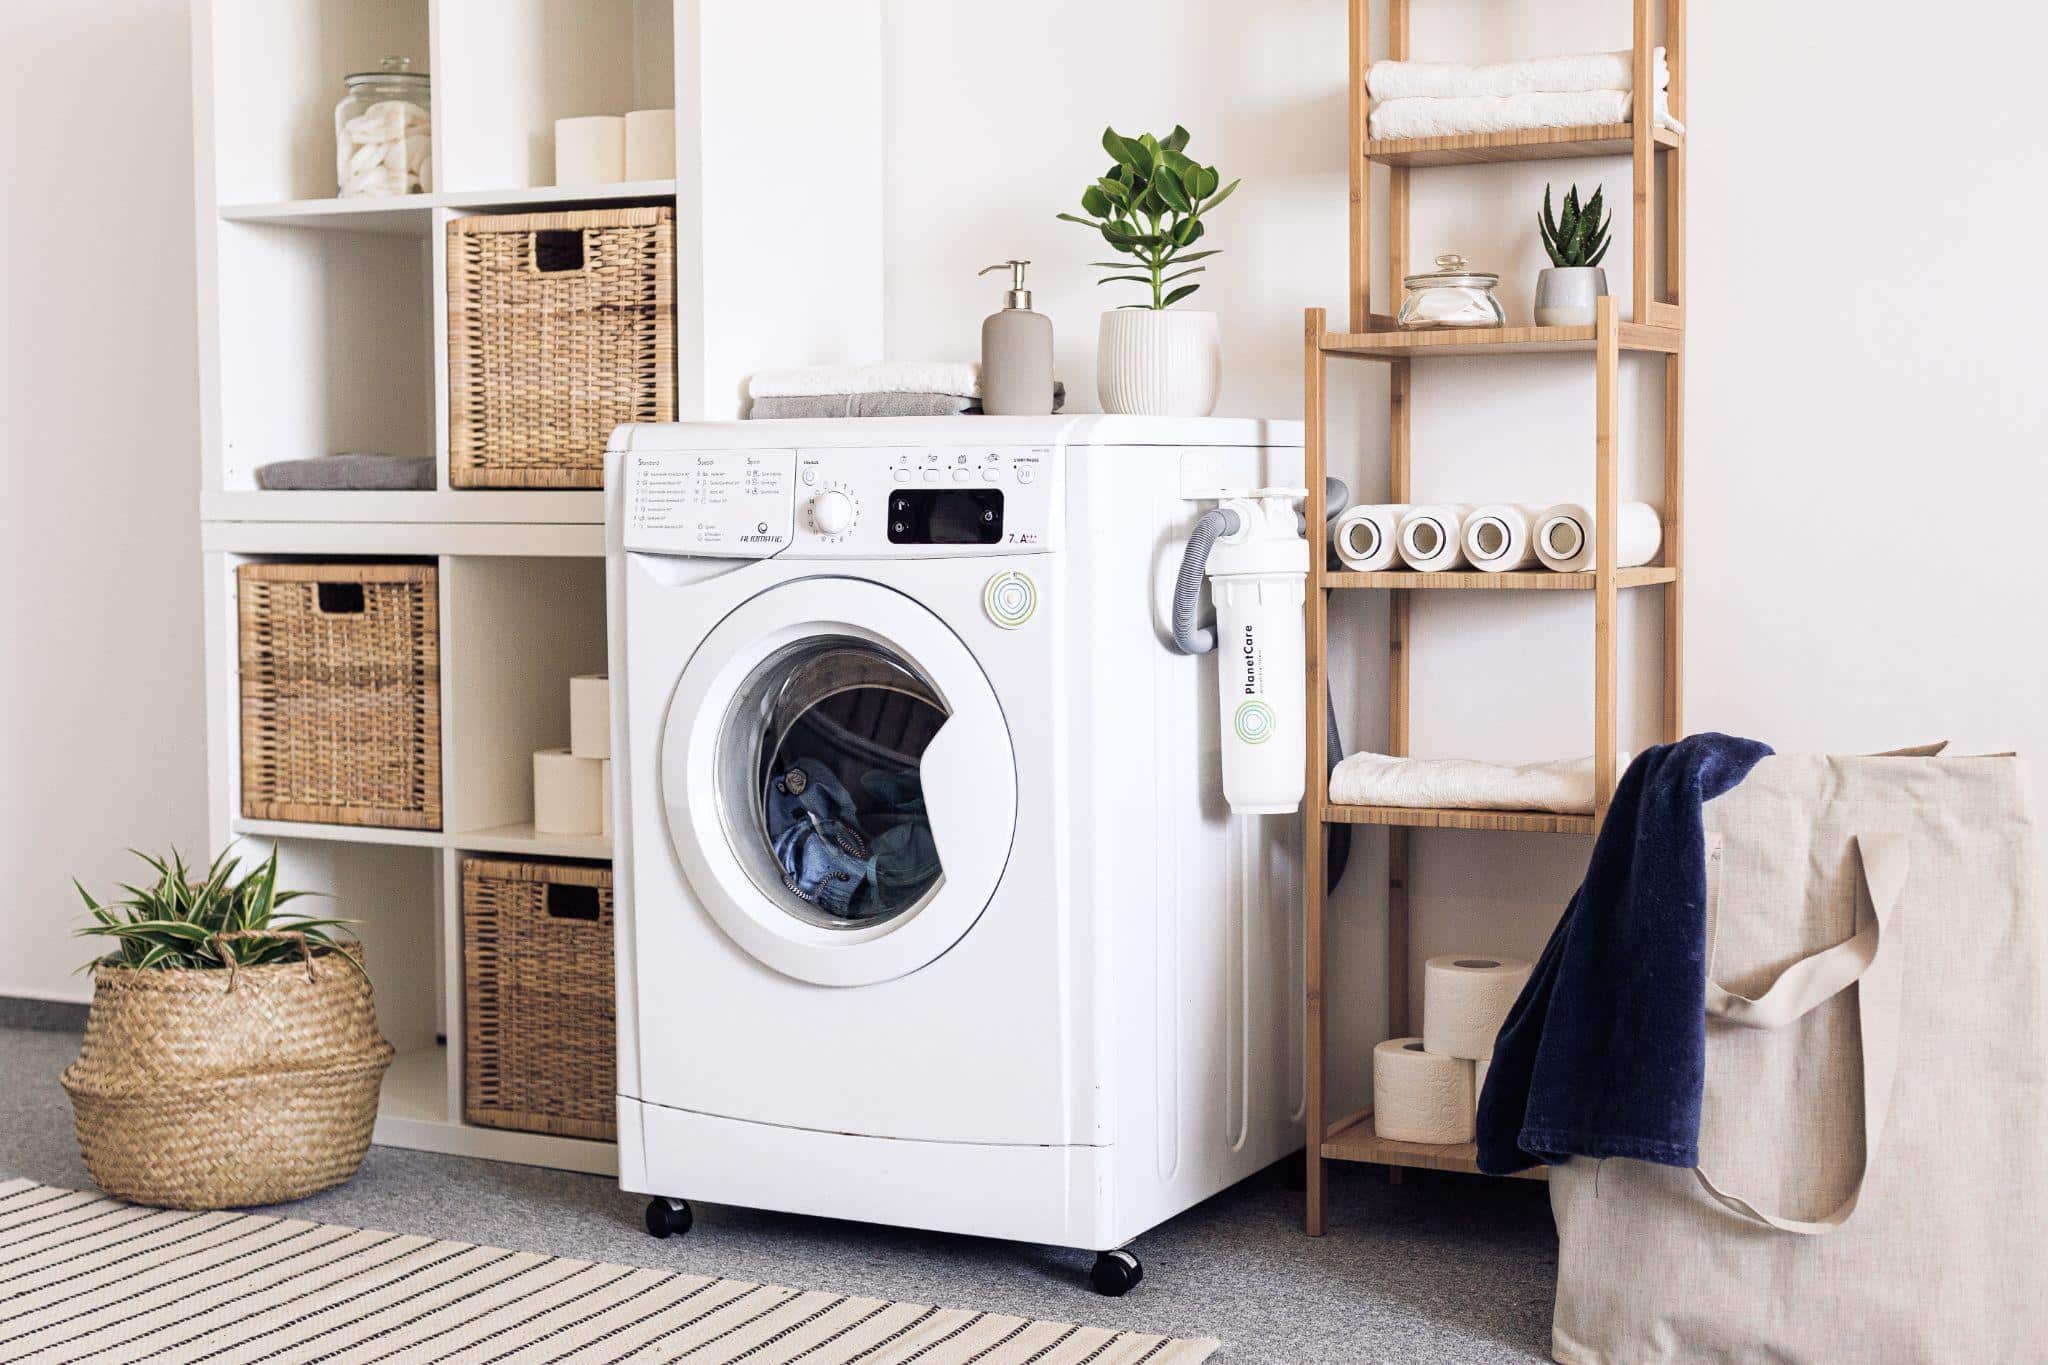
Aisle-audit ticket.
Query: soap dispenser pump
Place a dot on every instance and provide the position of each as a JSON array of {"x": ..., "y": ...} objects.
[{"x": 1016, "y": 353}]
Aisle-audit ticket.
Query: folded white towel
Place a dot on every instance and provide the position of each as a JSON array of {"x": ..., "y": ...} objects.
[
  {"x": 1414, "y": 118},
  {"x": 1562, "y": 74},
  {"x": 1563, "y": 786},
  {"x": 961, "y": 378}
]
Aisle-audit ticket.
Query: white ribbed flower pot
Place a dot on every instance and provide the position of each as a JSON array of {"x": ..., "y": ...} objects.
[{"x": 1159, "y": 362}]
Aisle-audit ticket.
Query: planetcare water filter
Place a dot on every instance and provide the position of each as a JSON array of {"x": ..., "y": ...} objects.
[{"x": 1258, "y": 576}]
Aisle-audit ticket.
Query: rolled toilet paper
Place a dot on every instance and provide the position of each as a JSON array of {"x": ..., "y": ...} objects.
[
  {"x": 1366, "y": 539},
  {"x": 590, "y": 151},
  {"x": 1501, "y": 537},
  {"x": 1418, "y": 1096},
  {"x": 1432, "y": 537},
  {"x": 651, "y": 144},
  {"x": 590, "y": 716},
  {"x": 1465, "y": 999},
  {"x": 568, "y": 793},
  {"x": 1566, "y": 538},
  {"x": 605, "y": 797},
  {"x": 1479, "y": 1085}
]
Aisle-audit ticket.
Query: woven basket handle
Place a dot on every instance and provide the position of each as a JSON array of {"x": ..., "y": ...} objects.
[{"x": 221, "y": 941}]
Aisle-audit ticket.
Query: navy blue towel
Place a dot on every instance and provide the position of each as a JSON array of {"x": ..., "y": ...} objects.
[{"x": 1604, "y": 1053}]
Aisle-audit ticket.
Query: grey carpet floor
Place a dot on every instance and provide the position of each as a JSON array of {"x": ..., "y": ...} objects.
[{"x": 1441, "y": 1268}]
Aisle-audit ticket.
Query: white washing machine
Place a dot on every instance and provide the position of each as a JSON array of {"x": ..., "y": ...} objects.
[{"x": 930, "y": 910}]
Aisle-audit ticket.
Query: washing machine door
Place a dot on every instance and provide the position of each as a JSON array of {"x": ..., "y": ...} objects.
[{"x": 838, "y": 781}]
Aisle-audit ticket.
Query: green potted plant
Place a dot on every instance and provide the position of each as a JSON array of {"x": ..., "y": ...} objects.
[
  {"x": 1149, "y": 205},
  {"x": 1568, "y": 294},
  {"x": 231, "y": 1056}
]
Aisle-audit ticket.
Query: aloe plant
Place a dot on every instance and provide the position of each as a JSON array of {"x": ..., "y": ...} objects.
[
  {"x": 182, "y": 921},
  {"x": 1149, "y": 205},
  {"x": 1579, "y": 237}
]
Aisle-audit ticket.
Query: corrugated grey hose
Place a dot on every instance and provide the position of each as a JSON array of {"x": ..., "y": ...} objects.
[{"x": 1193, "y": 639}]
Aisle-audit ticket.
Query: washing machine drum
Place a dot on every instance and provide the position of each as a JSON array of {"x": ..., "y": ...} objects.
[{"x": 838, "y": 782}]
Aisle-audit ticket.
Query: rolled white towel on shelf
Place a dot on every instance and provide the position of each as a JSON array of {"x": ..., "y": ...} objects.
[
  {"x": 1567, "y": 537},
  {"x": 1367, "y": 538},
  {"x": 1419, "y": 118},
  {"x": 1432, "y": 536},
  {"x": 1563, "y": 73},
  {"x": 1501, "y": 536},
  {"x": 1560, "y": 786},
  {"x": 959, "y": 378}
]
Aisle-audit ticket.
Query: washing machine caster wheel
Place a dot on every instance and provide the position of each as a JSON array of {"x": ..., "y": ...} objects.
[
  {"x": 668, "y": 1217},
  {"x": 1116, "y": 1273}
]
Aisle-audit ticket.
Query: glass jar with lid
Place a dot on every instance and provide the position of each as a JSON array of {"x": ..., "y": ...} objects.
[
  {"x": 383, "y": 133},
  {"x": 1452, "y": 295}
]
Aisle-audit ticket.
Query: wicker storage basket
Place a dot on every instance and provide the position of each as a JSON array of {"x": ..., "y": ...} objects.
[
  {"x": 561, "y": 326},
  {"x": 341, "y": 694},
  {"x": 538, "y": 1025},
  {"x": 215, "y": 1088}
]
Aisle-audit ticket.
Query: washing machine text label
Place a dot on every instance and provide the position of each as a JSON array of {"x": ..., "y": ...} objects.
[{"x": 739, "y": 503}]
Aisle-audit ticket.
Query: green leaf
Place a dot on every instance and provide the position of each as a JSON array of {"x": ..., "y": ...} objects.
[
  {"x": 1118, "y": 149},
  {"x": 1093, "y": 202},
  {"x": 1192, "y": 270},
  {"x": 1177, "y": 295},
  {"x": 1189, "y": 232},
  {"x": 1204, "y": 182},
  {"x": 90, "y": 903},
  {"x": 1177, "y": 139},
  {"x": 1184, "y": 256},
  {"x": 1076, "y": 218},
  {"x": 1116, "y": 191},
  {"x": 1125, "y": 279},
  {"x": 1167, "y": 185},
  {"x": 1222, "y": 195}
]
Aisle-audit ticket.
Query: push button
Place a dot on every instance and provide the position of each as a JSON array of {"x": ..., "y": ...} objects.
[{"x": 1025, "y": 473}]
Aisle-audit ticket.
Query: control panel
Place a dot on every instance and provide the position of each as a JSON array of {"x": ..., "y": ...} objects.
[{"x": 842, "y": 503}]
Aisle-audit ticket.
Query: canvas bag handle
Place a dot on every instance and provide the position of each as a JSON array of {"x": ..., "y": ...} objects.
[{"x": 1866, "y": 960}]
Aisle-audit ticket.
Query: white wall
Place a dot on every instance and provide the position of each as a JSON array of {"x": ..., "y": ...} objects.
[
  {"x": 99, "y": 540},
  {"x": 1865, "y": 336}
]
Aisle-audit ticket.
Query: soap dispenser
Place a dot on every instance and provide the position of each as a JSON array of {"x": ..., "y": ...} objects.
[{"x": 1016, "y": 353}]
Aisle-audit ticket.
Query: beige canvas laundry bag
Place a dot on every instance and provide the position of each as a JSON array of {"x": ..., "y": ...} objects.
[{"x": 1875, "y": 1122}]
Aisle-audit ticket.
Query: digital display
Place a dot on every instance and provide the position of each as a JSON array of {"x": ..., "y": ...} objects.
[{"x": 946, "y": 516}]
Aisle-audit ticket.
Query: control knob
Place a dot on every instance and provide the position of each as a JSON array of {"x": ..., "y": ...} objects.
[{"x": 832, "y": 512}]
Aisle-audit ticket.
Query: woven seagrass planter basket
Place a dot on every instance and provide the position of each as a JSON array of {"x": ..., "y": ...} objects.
[{"x": 220, "y": 1088}]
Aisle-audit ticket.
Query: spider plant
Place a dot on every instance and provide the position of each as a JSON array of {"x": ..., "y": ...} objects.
[{"x": 183, "y": 921}]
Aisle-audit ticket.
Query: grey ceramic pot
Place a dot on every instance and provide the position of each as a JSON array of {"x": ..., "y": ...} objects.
[{"x": 1569, "y": 296}]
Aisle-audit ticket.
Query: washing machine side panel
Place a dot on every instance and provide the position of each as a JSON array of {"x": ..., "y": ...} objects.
[
  {"x": 979, "y": 1045},
  {"x": 1195, "y": 915}
]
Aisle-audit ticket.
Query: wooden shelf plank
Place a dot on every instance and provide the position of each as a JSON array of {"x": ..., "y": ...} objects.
[
  {"x": 1450, "y": 341},
  {"x": 1521, "y": 580},
  {"x": 1356, "y": 1139},
  {"x": 1523, "y": 144},
  {"x": 1443, "y": 817}
]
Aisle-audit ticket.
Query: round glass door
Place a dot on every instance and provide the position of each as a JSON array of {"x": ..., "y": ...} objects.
[
  {"x": 838, "y": 780},
  {"x": 820, "y": 790}
]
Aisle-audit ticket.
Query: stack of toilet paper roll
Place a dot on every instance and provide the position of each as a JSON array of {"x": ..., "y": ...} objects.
[
  {"x": 572, "y": 787},
  {"x": 604, "y": 149},
  {"x": 1497, "y": 537},
  {"x": 1427, "y": 1089}
]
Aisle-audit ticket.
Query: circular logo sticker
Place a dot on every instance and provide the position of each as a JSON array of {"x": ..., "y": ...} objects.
[
  {"x": 1010, "y": 599},
  {"x": 1254, "y": 722}
]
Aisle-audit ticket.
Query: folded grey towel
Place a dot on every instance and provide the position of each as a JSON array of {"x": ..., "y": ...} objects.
[
  {"x": 877, "y": 405},
  {"x": 349, "y": 472}
]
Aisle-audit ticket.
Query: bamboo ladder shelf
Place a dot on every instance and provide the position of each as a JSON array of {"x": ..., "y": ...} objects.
[{"x": 1659, "y": 332}]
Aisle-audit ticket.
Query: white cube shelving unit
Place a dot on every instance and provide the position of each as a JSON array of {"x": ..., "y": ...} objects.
[{"x": 323, "y": 329}]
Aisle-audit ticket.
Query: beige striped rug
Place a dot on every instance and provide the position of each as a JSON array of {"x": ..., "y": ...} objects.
[{"x": 88, "y": 1279}]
